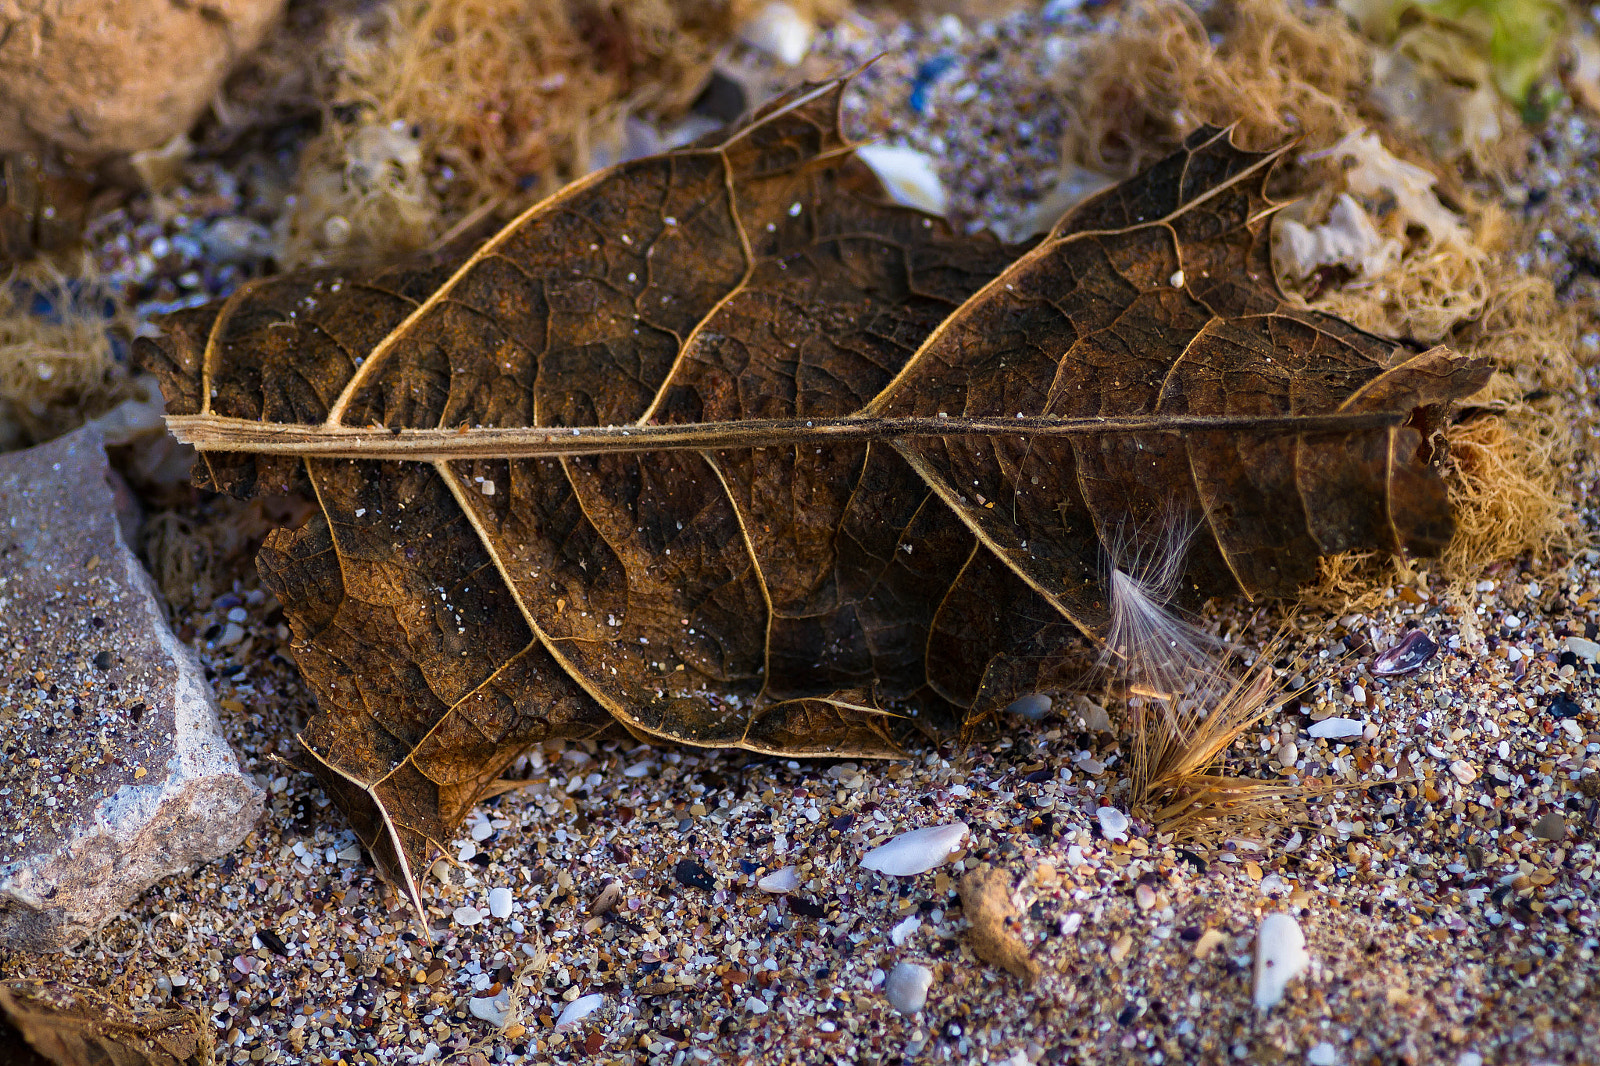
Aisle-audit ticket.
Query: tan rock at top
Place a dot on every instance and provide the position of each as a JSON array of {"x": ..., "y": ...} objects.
[{"x": 104, "y": 76}]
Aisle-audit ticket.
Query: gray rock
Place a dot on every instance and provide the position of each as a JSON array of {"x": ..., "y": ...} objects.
[{"x": 113, "y": 769}]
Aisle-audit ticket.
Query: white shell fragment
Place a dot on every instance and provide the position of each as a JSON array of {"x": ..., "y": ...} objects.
[
  {"x": 500, "y": 902},
  {"x": 1337, "y": 728},
  {"x": 916, "y": 851},
  {"x": 902, "y": 932},
  {"x": 780, "y": 31},
  {"x": 1323, "y": 1054},
  {"x": 578, "y": 1010},
  {"x": 1280, "y": 958},
  {"x": 1113, "y": 823},
  {"x": 467, "y": 915},
  {"x": 780, "y": 881},
  {"x": 907, "y": 987},
  {"x": 496, "y": 1010},
  {"x": 1349, "y": 239},
  {"x": 907, "y": 174}
]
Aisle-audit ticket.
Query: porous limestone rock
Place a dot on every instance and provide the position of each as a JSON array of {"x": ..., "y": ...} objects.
[
  {"x": 113, "y": 769},
  {"x": 98, "y": 78}
]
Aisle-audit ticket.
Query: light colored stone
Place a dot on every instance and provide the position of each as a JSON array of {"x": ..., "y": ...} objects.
[
  {"x": 907, "y": 987},
  {"x": 118, "y": 774},
  {"x": 1034, "y": 706},
  {"x": 98, "y": 78}
]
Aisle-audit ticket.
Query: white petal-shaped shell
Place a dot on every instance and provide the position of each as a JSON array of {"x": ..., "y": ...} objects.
[
  {"x": 780, "y": 881},
  {"x": 1280, "y": 958},
  {"x": 1113, "y": 823},
  {"x": 1337, "y": 728},
  {"x": 578, "y": 1010},
  {"x": 916, "y": 851},
  {"x": 907, "y": 174}
]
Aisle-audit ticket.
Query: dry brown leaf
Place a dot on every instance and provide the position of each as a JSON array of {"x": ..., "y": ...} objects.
[
  {"x": 986, "y": 901},
  {"x": 719, "y": 446},
  {"x": 71, "y": 1028}
]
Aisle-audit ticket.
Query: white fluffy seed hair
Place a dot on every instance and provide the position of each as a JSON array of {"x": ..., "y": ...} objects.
[{"x": 1157, "y": 652}]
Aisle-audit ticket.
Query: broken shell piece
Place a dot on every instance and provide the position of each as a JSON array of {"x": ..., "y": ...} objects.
[
  {"x": 907, "y": 174},
  {"x": 578, "y": 1010},
  {"x": 1280, "y": 957},
  {"x": 902, "y": 932},
  {"x": 780, "y": 881},
  {"x": 1337, "y": 728},
  {"x": 607, "y": 899},
  {"x": 917, "y": 851},
  {"x": 1413, "y": 652},
  {"x": 1348, "y": 239},
  {"x": 907, "y": 987}
]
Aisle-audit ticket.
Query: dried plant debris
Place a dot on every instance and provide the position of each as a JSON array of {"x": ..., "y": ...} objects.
[
  {"x": 547, "y": 546},
  {"x": 439, "y": 110},
  {"x": 60, "y": 362},
  {"x": 71, "y": 1027},
  {"x": 1437, "y": 265}
]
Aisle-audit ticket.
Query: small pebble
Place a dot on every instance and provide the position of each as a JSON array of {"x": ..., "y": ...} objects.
[
  {"x": 1033, "y": 707},
  {"x": 1280, "y": 958},
  {"x": 1145, "y": 896},
  {"x": 780, "y": 881},
  {"x": 500, "y": 902},
  {"x": 755, "y": 1005},
  {"x": 916, "y": 851},
  {"x": 907, "y": 987},
  {"x": 1323, "y": 1054},
  {"x": 467, "y": 915},
  {"x": 1113, "y": 823},
  {"x": 607, "y": 899},
  {"x": 691, "y": 874},
  {"x": 1337, "y": 728},
  {"x": 1463, "y": 771}
]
